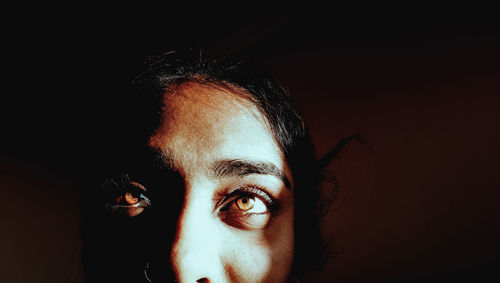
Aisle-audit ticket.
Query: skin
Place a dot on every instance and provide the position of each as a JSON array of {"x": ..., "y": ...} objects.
[{"x": 219, "y": 237}]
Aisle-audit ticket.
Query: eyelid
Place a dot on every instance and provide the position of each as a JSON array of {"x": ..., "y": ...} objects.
[{"x": 138, "y": 186}]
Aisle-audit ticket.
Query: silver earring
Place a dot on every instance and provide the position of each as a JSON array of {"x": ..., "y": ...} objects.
[{"x": 147, "y": 269}]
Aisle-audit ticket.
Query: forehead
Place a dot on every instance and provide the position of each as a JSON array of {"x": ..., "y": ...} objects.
[
  {"x": 206, "y": 122},
  {"x": 205, "y": 106}
]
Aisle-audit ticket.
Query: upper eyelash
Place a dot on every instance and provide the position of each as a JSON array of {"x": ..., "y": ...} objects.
[
  {"x": 116, "y": 187},
  {"x": 250, "y": 190}
]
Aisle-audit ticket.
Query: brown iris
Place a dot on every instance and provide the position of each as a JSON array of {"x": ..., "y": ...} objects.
[
  {"x": 127, "y": 199},
  {"x": 133, "y": 202},
  {"x": 245, "y": 203},
  {"x": 130, "y": 199}
]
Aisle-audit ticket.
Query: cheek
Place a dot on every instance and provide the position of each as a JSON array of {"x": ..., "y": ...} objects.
[
  {"x": 280, "y": 239},
  {"x": 248, "y": 262},
  {"x": 261, "y": 256}
]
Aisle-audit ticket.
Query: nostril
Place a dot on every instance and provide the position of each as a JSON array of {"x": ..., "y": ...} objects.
[{"x": 203, "y": 280}]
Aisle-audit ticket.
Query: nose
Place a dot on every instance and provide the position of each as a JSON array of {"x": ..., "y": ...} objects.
[{"x": 195, "y": 250}]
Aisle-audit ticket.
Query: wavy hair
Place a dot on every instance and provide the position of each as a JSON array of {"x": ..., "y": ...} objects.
[{"x": 165, "y": 73}]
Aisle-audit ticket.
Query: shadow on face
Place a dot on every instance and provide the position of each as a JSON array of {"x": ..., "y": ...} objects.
[{"x": 210, "y": 199}]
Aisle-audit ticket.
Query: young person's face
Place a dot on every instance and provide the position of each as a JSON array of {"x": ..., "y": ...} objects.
[{"x": 236, "y": 222}]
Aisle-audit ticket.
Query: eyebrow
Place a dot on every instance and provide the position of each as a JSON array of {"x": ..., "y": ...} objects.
[
  {"x": 239, "y": 167},
  {"x": 163, "y": 159}
]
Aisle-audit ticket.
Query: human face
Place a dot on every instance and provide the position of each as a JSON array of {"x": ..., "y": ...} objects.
[{"x": 236, "y": 222}]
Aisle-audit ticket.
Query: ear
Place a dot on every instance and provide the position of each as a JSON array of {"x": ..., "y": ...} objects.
[{"x": 324, "y": 161}]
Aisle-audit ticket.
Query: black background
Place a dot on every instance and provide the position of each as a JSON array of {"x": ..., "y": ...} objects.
[{"x": 418, "y": 199}]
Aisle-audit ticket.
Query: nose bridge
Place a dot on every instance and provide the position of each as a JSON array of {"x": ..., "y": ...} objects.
[
  {"x": 193, "y": 226},
  {"x": 194, "y": 253}
]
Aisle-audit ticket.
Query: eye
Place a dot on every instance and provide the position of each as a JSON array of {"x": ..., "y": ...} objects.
[
  {"x": 127, "y": 197},
  {"x": 249, "y": 204},
  {"x": 247, "y": 208}
]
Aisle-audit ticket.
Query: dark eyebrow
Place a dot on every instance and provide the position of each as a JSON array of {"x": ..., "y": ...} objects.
[
  {"x": 238, "y": 167},
  {"x": 163, "y": 159}
]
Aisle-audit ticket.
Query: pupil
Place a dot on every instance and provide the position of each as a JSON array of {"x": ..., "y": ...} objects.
[{"x": 244, "y": 200}]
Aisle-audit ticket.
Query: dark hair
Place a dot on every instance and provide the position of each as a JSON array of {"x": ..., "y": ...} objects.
[{"x": 165, "y": 73}]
